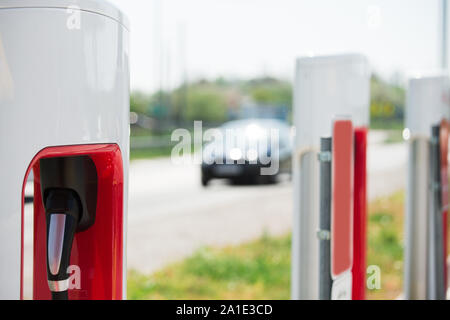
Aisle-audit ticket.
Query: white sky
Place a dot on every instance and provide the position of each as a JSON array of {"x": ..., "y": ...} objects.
[{"x": 248, "y": 38}]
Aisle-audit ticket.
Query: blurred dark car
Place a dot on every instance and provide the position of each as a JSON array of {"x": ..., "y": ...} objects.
[{"x": 248, "y": 146}]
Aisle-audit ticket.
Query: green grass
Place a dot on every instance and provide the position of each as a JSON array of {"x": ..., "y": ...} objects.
[
  {"x": 387, "y": 124},
  {"x": 385, "y": 247},
  {"x": 261, "y": 269},
  {"x": 255, "y": 270},
  {"x": 150, "y": 153},
  {"x": 394, "y": 136}
]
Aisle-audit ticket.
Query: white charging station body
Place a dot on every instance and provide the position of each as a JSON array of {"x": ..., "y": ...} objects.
[
  {"x": 64, "y": 80},
  {"x": 427, "y": 103},
  {"x": 325, "y": 87}
]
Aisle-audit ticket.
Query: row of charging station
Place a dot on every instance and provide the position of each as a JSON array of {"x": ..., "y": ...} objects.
[
  {"x": 331, "y": 116},
  {"x": 64, "y": 101},
  {"x": 331, "y": 113}
]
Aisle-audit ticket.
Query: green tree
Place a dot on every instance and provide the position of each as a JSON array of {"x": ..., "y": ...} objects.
[
  {"x": 139, "y": 102},
  {"x": 270, "y": 91},
  {"x": 387, "y": 103},
  {"x": 206, "y": 102}
]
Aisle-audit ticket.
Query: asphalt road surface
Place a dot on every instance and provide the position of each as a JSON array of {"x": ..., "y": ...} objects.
[{"x": 171, "y": 215}]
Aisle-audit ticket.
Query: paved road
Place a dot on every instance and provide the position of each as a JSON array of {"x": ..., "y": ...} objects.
[{"x": 171, "y": 215}]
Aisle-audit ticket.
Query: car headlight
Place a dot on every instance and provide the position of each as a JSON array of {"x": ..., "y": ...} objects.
[
  {"x": 235, "y": 154},
  {"x": 252, "y": 155}
]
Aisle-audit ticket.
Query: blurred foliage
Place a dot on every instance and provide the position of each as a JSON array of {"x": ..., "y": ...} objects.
[
  {"x": 221, "y": 100},
  {"x": 139, "y": 102},
  {"x": 261, "y": 269},
  {"x": 211, "y": 101},
  {"x": 385, "y": 247},
  {"x": 206, "y": 102},
  {"x": 387, "y": 104},
  {"x": 270, "y": 91}
]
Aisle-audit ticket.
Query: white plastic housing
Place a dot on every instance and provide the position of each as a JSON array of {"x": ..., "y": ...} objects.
[
  {"x": 326, "y": 87},
  {"x": 64, "y": 80},
  {"x": 427, "y": 103}
]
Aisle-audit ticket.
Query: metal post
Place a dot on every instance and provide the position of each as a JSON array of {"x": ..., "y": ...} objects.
[
  {"x": 416, "y": 224},
  {"x": 305, "y": 260},
  {"x": 436, "y": 288},
  {"x": 325, "y": 281}
]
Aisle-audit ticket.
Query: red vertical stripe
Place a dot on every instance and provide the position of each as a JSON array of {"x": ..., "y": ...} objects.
[
  {"x": 359, "y": 215},
  {"x": 443, "y": 142}
]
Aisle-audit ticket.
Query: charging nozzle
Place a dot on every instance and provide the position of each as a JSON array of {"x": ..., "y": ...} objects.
[
  {"x": 63, "y": 211},
  {"x": 69, "y": 195}
]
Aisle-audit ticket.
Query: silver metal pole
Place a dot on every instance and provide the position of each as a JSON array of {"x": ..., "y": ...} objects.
[
  {"x": 416, "y": 220},
  {"x": 305, "y": 260},
  {"x": 325, "y": 281},
  {"x": 436, "y": 288}
]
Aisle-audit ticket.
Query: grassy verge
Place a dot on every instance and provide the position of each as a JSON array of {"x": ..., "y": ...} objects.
[
  {"x": 150, "y": 153},
  {"x": 394, "y": 136},
  {"x": 261, "y": 269},
  {"x": 255, "y": 270},
  {"x": 387, "y": 124},
  {"x": 385, "y": 244}
]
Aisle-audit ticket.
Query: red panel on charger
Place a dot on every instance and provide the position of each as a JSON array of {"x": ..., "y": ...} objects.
[
  {"x": 101, "y": 265},
  {"x": 342, "y": 200}
]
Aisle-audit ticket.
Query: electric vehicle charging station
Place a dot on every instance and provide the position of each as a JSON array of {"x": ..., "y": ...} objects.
[
  {"x": 326, "y": 88},
  {"x": 64, "y": 101},
  {"x": 427, "y": 113}
]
